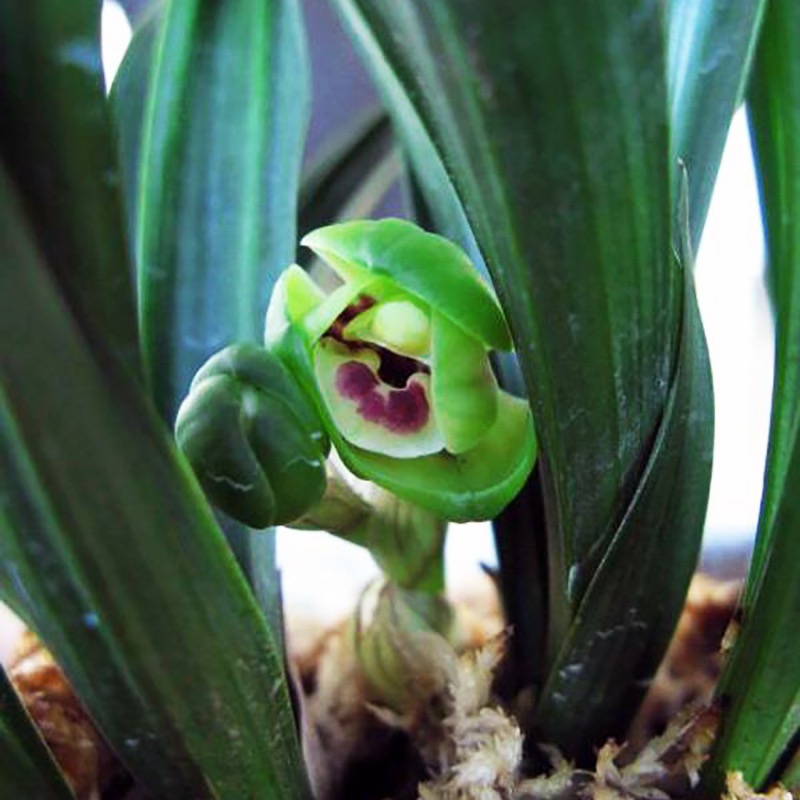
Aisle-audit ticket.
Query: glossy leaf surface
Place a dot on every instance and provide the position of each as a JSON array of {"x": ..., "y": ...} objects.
[
  {"x": 210, "y": 105},
  {"x": 57, "y": 144},
  {"x": 106, "y": 536},
  {"x": 616, "y": 638},
  {"x": 761, "y": 682},
  {"x": 218, "y": 158},
  {"x": 711, "y": 44},
  {"x": 555, "y": 133},
  {"x": 27, "y": 768}
]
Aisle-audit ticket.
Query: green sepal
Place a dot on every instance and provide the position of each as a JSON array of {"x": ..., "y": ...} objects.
[
  {"x": 252, "y": 437},
  {"x": 473, "y": 485},
  {"x": 57, "y": 144},
  {"x": 463, "y": 386},
  {"x": 394, "y": 249}
]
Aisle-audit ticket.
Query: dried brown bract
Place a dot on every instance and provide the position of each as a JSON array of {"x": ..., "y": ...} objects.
[{"x": 85, "y": 759}]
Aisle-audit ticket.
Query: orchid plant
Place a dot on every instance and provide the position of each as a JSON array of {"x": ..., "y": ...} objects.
[{"x": 525, "y": 348}]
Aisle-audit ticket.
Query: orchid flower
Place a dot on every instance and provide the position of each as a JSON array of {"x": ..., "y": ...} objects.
[{"x": 397, "y": 361}]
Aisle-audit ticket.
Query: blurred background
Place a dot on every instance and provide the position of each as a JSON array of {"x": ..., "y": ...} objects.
[{"x": 733, "y": 303}]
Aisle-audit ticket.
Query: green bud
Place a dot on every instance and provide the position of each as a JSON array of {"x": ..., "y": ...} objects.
[
  {"x": 253, "y": 438},
  {"x": 397, "y": 359}
]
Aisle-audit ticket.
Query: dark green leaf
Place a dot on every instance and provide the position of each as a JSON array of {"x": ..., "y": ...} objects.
[
  {"x": 255, "y": 554},
  {"x": 760, "y": 686},
  {"x": 711, "y": 43},
  {"x": 56, "y": 142},
  {"x": 211, "y": 110},
  {"x": 519, "y": 539},
  {"x": 27, "y": 769},
  {"x": 215, "y": 192},
  {"x": 761, "y": 681},
  {"x": 774, "y": 111},
  {"x": 555, "y": 132},
  {"x": 106, "y": 535},
  {"x": 627, "y": 616}
]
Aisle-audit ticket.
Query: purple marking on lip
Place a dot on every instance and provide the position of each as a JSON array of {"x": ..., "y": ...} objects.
[
  {"x": 354, "y": 380},
  {"x": 372, "y": 407},
  {"x": 403, "y": 411},
  {"x": 407, "y": 409}
]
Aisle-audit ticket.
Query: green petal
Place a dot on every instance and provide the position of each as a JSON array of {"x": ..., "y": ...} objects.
[
  {"x": 463, "y": 388},
  {"x": 423, "y": 264}
]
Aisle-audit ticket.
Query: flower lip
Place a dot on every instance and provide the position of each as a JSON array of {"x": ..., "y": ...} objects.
[
  {"x": 400, "y": 411},
  {"x": 355, "y": 380},
  {"x": 404, "y": 409},
  {"x": 379, "y": 399}
]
